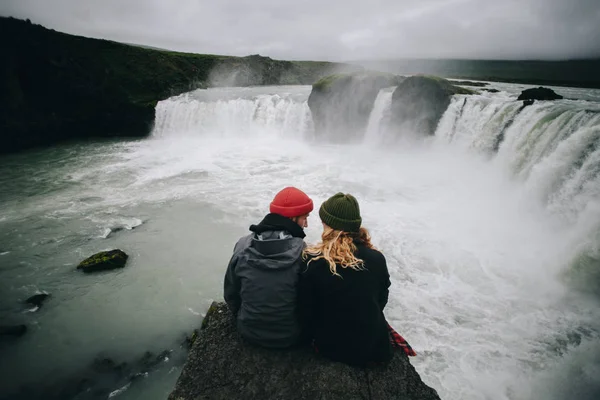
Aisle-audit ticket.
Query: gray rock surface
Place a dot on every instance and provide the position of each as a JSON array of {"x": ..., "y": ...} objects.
[
  {"x": 220, "y": 365},
  {"x": 341, "y": 104},
  {"x": 419, "y": 102}
]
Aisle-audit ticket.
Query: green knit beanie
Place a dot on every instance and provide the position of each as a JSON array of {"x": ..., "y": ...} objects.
[{"x": 341, "y": 212}]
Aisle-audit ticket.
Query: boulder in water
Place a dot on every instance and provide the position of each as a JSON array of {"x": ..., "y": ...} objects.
[
  {"x": 222, "y": 366},
  {"x": 341, "y": 104},
  {"x": 419, "y": 102},
  {"x": 104, "y": 260},
  {"x": 37, "y": 299},
  {"x": 539, "y": 93},
  {"x": 13, "y": 330}
]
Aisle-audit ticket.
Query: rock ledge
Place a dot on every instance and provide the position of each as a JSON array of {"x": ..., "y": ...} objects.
[{"x": 222, "y": 366}]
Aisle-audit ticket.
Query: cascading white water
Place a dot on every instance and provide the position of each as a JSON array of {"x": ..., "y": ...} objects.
[
  {"x": 553, "y": 147},
  {"x": 277, "y": 114},
  {"x": 379, "y": 117}
]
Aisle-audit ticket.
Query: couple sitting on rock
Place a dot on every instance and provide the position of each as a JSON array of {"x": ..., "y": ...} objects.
[{"x": 284, "y": 293}]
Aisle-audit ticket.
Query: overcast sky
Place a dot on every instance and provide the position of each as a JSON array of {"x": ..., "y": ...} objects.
[{"x": 334, "y": 30}]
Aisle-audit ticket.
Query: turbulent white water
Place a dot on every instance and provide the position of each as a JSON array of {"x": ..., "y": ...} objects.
[
  {"x": 380, "y": 114},
  {"x": 478, "y": 241},
  {"x": 264, "y": 114}
]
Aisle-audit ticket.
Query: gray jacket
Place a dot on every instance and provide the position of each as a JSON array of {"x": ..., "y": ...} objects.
[{"x": 261, "y": 282}]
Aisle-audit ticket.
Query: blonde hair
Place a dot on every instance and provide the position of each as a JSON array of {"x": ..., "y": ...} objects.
[{"x": 339, "y": 248}]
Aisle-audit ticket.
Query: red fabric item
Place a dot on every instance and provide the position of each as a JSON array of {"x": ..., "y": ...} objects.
[
  {"x": 399, "y": 342},
  {"x": 291, "y": 202}
]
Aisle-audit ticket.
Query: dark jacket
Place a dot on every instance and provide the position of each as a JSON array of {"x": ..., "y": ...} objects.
[
  {"x": 344, "y": 314},
  {"x": 261, "y": 282}
]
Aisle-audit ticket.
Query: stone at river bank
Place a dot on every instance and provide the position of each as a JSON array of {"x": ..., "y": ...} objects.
[
  {"x": 419, "y": 102},
  {"x": 105, "y": 260},
  {"x": 341, "y": 104},
  {"x": 13, "y": 330},
  {"x": 539, "y": 93},
  {"x": 37, "y": 299},
  {"x": 56, "y": 87},
  {"x": 222, "y": 366}
]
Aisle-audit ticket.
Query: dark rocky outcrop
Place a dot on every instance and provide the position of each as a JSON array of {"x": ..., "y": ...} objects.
[
  {"x": 491, "y": 90},
  {"x": 13, "y": 330},
  {"x": 419, "y": 102},
  {"x": 539, "y": 93},
  {"x": 37, "y": 299},
  {"x": 104, "y": 260},
  {"x": 56, "y": 87},
  {"x": 341, "y": 104},
  {"x": 222, "y": 366},
  {"x": 527, "y": 102}
]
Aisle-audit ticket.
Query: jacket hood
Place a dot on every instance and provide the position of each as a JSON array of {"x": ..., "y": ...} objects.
[
  {"x": 276, "y": 222},
  {"x": 274, "y": 250}
]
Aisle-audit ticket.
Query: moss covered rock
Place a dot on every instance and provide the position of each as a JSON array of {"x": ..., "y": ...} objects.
[
  {"x": 104, "y": 260},
  {"x": 419, "y": 102},
  {"x": 342, "y": 103},
  {"x": 220, "y": 365}
]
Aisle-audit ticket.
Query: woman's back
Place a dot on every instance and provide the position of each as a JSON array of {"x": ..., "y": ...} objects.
[{"x": 344, "y": 312}]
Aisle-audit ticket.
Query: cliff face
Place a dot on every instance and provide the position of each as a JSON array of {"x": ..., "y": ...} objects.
[
  {"x": 55, "y": 87},
  {"x": 222, "y": 366},
  {"x": 419, "y": 102},
  {"x": 341, "y": 104}
]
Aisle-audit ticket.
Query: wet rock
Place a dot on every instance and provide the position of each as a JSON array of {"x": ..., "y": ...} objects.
[
  {"x": 539, "y": 93},
  {"x": 13, "y": 330},
  {"x": 222, "y": 366},
  {"x": 150, "y": 361},
  {"x": 188, "y": 341},
  {"x": 491, "y": 90},
  {"x": 419, "y": 102},
  {"x": 341, "y": 104},
  {"x": 105, "y": 260},
  {"x": 527, "y": 102},
  {"x": 108, "y": 366},
  {"x": 37, "y": 299}
]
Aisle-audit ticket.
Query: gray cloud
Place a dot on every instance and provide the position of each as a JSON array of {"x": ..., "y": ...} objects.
[{"x": 334, "y": 30}]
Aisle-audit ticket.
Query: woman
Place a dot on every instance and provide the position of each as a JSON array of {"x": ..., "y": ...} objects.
[{"x": 344, "y": 288}]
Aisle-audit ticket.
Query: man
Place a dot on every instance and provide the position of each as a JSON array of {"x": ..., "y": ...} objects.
[{"x": 261, "y": 280}]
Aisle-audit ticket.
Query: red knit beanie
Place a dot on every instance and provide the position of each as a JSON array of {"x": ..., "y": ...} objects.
[{"x": 291, "y": 202}]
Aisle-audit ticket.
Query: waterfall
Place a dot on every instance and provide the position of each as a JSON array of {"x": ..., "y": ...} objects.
[
  {"x": 379, "y": 116},
  {"x": 553, "y": 147},
  {"x": 277, "y": 114}
]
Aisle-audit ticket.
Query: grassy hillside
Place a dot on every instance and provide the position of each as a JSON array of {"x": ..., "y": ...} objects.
[
  {"x": 576, "y": 73},
  {"x": 55, "y": 86}
]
